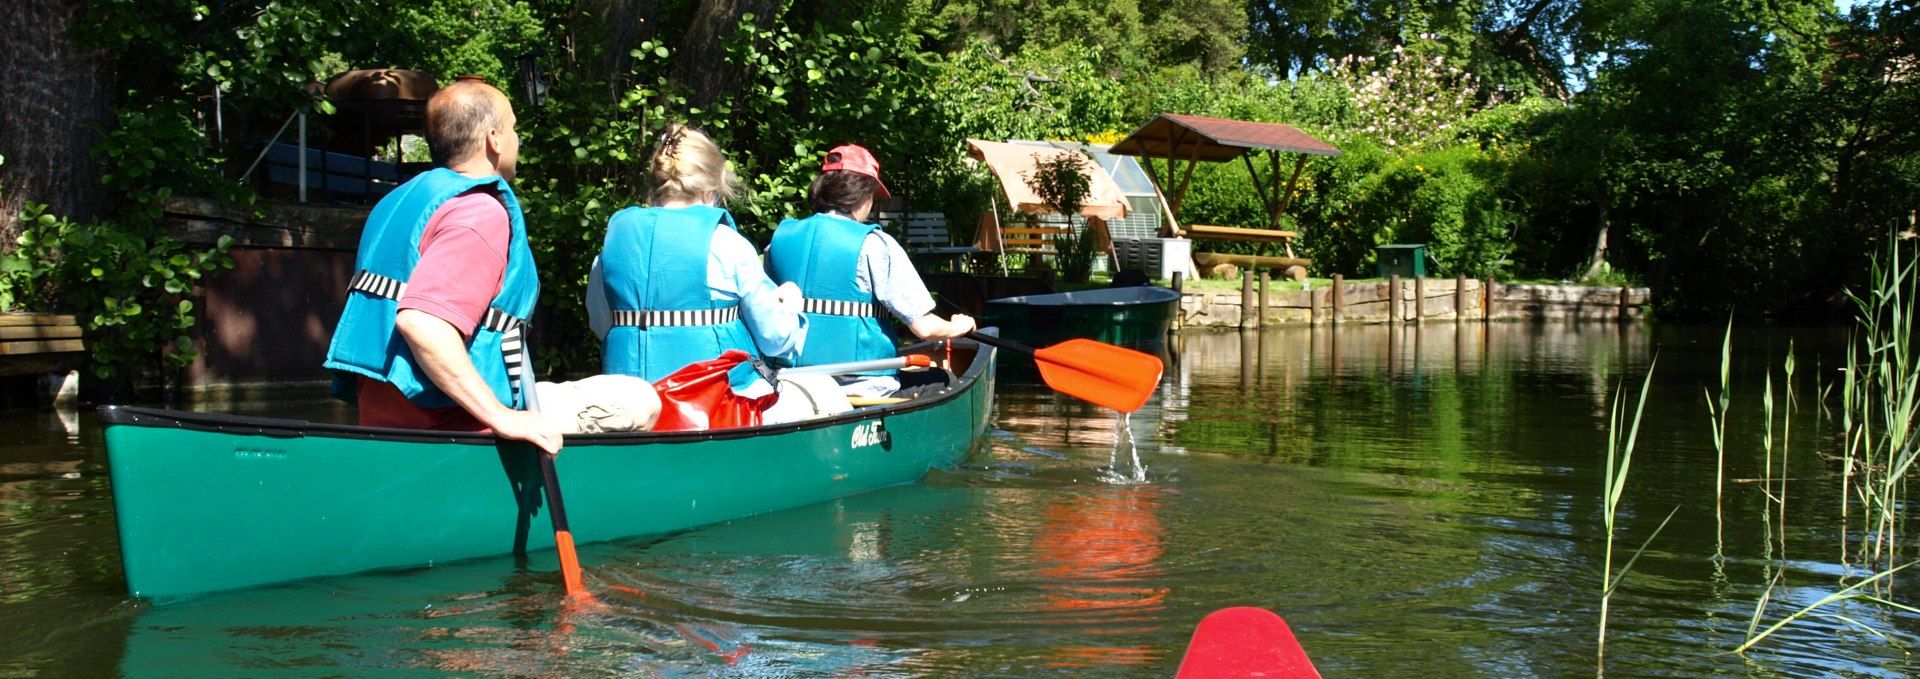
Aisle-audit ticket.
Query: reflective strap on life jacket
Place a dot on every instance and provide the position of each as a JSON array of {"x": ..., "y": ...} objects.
[
  {"x": 377, "y": 285},
  {"x": 829, "y": 307},
  {"x": 512, "y": 349},
  {"x": 654, "y": 319}
]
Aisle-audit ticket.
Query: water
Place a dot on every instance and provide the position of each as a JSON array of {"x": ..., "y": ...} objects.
[{"x": 1415, "y": 502}]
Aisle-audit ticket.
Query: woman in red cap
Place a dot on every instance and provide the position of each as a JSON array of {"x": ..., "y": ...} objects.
[{"x": 851, "y": 272}]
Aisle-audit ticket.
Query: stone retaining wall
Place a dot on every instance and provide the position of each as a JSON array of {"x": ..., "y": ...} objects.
[{"x": 1410, "y": 299}]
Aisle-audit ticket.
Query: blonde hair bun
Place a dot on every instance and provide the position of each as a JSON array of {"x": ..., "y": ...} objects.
[{"x": 687, "y": 165}]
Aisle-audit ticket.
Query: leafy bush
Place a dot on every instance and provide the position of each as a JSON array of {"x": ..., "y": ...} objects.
[
  {"x": 1076, "y": 252},
  {"x": 1061, "y": 182},
  {"x": 129, "y": 288}
]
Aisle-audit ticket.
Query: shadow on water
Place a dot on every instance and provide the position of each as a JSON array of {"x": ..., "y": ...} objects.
[{"x": 1412, "y": 499}]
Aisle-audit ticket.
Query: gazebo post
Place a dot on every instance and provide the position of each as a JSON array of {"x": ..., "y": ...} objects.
[
  {"x": 1292, "y": 183},
  {"x": 1193, "y": 160},
  {"x": 1259, "y": 187}
]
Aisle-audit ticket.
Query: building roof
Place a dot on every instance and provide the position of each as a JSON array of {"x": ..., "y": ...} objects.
[{"x": 1175, "y": 135}]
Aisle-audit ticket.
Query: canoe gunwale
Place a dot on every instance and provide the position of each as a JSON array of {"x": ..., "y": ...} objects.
[
  {"x": 1147, "y": 296},
  {"x": 116, "y": 415}
]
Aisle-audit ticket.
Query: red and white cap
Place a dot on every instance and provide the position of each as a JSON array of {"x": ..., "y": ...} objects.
[{"x": 856, "y": 159}]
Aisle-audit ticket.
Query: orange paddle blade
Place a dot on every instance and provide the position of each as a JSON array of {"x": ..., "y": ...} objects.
[
  {"x": 1245, "y": 641},
  {"x": 1100, "y": 373},
  {"x": 570, "y": 565}
]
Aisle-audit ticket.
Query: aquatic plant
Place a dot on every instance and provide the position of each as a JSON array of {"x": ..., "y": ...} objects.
[
  {"x": 1717, "y": 414},
  {"x": 1881, "y": 398},
  {"x": 1879, "y": 409},
  {"x": 1619, "y": 461},
  {"x": 1851, "y": 593}
]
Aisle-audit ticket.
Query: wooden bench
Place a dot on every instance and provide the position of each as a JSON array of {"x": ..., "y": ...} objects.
[
  {"x": 39, "y": 343},
  {"x": 1208, "y": 260},
  {"x": 1035, "y": 239},
  {"x": 925, "y": 234},
  {"x": 1235, "y": 233}
]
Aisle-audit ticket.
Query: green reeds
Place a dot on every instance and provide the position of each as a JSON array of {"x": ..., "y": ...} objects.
[
  {"x": 1619, "y": 461},
  {"x": 1880, "y": 421},
  {"x": 1881, "y": 402},
  {"x": 1851, "y": 593}
]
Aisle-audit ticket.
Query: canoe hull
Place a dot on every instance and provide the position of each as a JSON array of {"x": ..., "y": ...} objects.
[
  {"x": 1136, "y": 317},
  {"x": 207, "y": 503}
]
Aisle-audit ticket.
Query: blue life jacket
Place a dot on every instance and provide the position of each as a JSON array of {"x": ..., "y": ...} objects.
[
  {"x": 365, "y": 342},
  {"x": 654, "y": 273},
  {"x": 821, "y": 254}
]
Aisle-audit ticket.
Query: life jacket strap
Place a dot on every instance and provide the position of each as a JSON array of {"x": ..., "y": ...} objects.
[
  {"x": 828, "y": 307},
  {"x": 653, "y": 319},
  {"x": 511, "y": 328}
]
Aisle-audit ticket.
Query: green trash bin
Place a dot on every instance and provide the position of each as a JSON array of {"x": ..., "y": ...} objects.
[{"x": 1404, "y": 260}]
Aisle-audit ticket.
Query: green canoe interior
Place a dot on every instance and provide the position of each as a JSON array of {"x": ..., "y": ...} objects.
[{"x": 209, "y": 502}]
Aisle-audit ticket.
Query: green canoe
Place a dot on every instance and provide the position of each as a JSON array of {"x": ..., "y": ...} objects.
[
  {"x": 1129, "y": 316},
  {"x": 209, "y": 502}
]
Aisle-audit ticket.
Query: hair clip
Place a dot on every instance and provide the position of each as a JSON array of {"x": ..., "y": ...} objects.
[{"x": 671, "y": 141}]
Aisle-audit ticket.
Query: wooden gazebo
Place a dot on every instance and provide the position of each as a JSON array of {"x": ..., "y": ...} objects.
[{"x": 1175, "y": 138}]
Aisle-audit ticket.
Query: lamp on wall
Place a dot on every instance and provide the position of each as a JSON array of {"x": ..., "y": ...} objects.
[{"x": 534, "y": 78}]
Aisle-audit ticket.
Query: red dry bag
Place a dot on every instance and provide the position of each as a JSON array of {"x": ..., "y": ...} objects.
[{"x": 700, "y": 396}]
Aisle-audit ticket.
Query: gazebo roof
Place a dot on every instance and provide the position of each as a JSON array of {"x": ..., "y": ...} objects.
[{"x": 1173, "y": 135}]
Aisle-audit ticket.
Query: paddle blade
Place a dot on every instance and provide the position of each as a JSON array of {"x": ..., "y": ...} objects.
[
  {"x": 570, "y": 565},
  {"x": 1100, "y": 373},
  {"x": 1245, "y": 642}
]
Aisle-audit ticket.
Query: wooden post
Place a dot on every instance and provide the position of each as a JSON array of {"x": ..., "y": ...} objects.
[
  {"x": 1486, "y": 307},
  {"x": 1337, "y": 302},
  {"x": 1180, "y": 311},
  {"x": 1623, "y": 303},
  {"x": 1263, "y": 297},
  {"x": 1393, "y": 299},
  {"x": 1419, "y": 299},
  {"x": 1246, "y": 299},
  {"x": 1459, "y": 298}
]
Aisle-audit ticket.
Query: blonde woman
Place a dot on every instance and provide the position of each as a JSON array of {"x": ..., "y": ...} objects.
[{"x": 676, "y": 283}]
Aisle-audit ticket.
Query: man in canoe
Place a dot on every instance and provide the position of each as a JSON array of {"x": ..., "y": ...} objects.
[
  {"x": 444, "y": 280},
  {"x": 851, "y": 273}
]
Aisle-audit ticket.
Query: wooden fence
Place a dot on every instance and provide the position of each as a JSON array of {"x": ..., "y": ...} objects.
[{"x": 1407, "y": 300}]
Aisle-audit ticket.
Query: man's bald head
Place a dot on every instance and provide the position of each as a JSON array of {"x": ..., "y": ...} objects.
[{"x": 459, "y": 117}]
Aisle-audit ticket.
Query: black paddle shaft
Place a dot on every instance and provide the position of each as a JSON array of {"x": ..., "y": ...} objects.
[
  {"x": 557, "y": 510},
  {"x": 990, "y": 340}
]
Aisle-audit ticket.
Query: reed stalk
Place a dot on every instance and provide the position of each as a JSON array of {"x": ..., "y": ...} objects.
[
  {"x": 1786, "y": 447},
  {"x": 1717, "y": 415},
  {"x": 1851, "y": 593},
  {"x": 1619, "y": 461}
]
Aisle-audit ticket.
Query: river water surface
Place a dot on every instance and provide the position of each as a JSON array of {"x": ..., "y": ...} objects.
[{"x": 1415, "y": 501}]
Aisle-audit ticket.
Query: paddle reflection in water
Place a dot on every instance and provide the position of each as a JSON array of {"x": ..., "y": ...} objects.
[{"x": 1100, "y": 553}]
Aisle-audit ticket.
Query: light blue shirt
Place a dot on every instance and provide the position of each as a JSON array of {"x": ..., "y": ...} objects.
[{"x": 901, "y": 291}]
